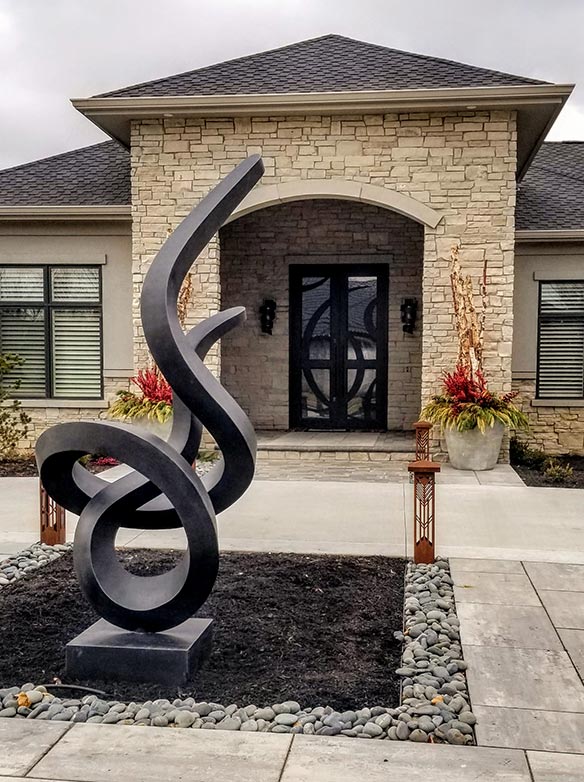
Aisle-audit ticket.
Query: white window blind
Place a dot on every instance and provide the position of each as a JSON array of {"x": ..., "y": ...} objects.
[
  {"x": 22, "y": 331},
  {"x": 58, "y": 338},
  {"x": 76, "y": 348},
  {"x": 69, "y": 283},
  {"x": 22, "y": 283},
  {"x": 561, "y": 340}
]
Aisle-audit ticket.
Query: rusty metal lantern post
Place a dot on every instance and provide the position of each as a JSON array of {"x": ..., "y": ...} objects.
[
  {"x": 422, "y": 429},
  {"x": 52, "y": 518},
  {"x": 423, "y": 472}
]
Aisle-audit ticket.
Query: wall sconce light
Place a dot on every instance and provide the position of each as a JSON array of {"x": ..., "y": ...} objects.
[
  {"x": 267, "y": 316},
  {"x": 409, "y": 312}
]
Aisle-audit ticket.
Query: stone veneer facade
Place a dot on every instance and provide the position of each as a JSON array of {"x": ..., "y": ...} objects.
[
  {"x": 462, "y": 164},
  {"x": 556, "y": 429},
  {"x": 43, "y": 416}
]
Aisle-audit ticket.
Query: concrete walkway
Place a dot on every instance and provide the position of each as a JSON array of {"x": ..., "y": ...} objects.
[
  {"x": 522, "y": 632},
  {"x": 92, "y": 753},
  {"x": 494, "y": 521}
]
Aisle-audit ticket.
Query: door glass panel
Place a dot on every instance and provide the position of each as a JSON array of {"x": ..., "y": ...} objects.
[
  {"x": 361, "y": 400},
  {"x": 362, "y": 318},
  {"x": 361, "y": 348},
  {"x": 315, "y": 393},
  {"x": 316, "y": 317},
  {"x": 339, "y": 365}
]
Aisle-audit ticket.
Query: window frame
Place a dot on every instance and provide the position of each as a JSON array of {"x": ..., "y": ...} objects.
[
  {"x": 540, "y": 318},
  {"x": 47, "y": 305}
]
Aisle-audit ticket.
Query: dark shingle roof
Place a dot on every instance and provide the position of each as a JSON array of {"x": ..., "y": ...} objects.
[
  {"x": 91, "y": 176},
  {"x": 551, "y": 195},
  {"x": 331, "y": 63}
]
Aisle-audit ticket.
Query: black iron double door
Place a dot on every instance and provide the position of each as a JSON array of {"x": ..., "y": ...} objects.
[{"x": 338, "y": 346}]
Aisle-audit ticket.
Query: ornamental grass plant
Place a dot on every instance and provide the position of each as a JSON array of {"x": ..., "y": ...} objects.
[
  {"x": 153, "y": 401},
  {"x": 467, "y": 403}
]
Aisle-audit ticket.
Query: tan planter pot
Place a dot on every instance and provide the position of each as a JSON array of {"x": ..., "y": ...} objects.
[
  {"x": 153, "y": 427},
  {"x": 473, "y": 449}
]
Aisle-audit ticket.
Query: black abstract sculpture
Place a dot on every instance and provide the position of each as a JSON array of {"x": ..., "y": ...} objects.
[{"x": 163, "y": 490}]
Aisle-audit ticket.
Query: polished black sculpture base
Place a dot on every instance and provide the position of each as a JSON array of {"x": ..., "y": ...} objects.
[{"x": 108, "y": 653}]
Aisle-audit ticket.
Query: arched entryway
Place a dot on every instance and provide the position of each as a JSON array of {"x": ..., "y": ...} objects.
[
  {"x": 346, "y": 190},
  {"x": 335, "y": 255}
]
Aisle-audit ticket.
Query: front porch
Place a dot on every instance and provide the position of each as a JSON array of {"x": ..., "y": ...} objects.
[
  {"x": 396, "y": 446},
  {"x": 336, "y": 357},
  {"x": 357, "y": 457}
]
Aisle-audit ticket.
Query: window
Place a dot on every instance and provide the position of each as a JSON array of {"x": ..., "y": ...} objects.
[
  {"x": 560, "y": 362},
  {"x": 51, "y": 317}
]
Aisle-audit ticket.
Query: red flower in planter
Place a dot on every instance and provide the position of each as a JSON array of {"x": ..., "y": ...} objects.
[
  {"x": 153, "y": 386},
  {"x": 467, "y": 403}
]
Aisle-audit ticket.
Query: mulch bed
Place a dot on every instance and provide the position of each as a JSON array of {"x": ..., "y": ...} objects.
[
  {"x": 25, "y": 467},
  {"x": 534, "y": 477},
  {"x": 316, "y": 629}
]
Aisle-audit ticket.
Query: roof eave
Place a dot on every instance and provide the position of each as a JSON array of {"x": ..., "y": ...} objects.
[
  {"x": 123, "y": 213},
  {"x": 549, "y": 235},
  {"x": 104, "y": 110},
  {"x": 537, "y": 104},
  {"x": 67, "y": 212}
]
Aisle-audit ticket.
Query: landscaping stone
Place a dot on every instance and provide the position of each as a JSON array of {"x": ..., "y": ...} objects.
[
  {"x": 434, "y": 707},
  {"x": 29, "y": 560}
]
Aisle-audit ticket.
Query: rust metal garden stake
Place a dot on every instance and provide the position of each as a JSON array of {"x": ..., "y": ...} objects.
[
  {"x": 52, "y": 518},
  {"x": 422, "y": 429},
  {"x": 423, "y": 472}
]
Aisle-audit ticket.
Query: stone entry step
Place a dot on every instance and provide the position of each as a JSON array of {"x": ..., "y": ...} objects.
[{"x": 337, "y": 446}]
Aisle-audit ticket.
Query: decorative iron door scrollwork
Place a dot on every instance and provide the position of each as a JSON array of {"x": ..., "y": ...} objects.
[
  {"x": 338, "y": 346},
  {"x": 163, "y": 491}
]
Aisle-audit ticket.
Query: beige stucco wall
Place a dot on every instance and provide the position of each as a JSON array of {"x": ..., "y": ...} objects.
[
  {"x": 462, "y": 164},
  {"x": 104, "y": 243},
  {"x": 557, "y": 426},
  {"x": 256, "y": 252}
]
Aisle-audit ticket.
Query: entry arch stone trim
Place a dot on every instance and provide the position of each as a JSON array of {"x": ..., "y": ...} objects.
[{"x": 344, "y": 189}]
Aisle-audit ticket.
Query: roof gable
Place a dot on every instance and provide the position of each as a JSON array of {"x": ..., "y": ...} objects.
[
  {"x": 551, "y": 195},
  {"x": 331, "y": 63},
  {"x": 91, "y": 176}
]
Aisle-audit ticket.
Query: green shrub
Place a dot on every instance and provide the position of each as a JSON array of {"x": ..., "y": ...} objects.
[
  {"x": 207, "y": 456},
  {"x": 522, "y": 455},
  {"x": 13, "y": 420},
  {"x": 556, "y": 471}
]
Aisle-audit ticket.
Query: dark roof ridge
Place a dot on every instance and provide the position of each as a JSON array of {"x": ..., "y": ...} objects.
[
  {"x": 203, "y": 68},
  {"x": 427, "y": 58},
  {"x": 548, "y": 169}
]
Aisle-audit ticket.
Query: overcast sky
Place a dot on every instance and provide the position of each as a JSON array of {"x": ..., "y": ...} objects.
[{"x": 53, "y": 50}]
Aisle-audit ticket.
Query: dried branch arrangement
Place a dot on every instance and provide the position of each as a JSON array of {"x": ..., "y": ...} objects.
[
  {"x": 470, "y": 324},
  {"x": 185, "y": 298}
]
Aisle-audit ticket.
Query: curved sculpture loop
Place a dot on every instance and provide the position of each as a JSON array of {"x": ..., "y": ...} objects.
[{"x": 162, "y": 491}]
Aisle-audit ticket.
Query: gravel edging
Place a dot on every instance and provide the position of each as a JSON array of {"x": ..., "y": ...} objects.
[
  {"x": 434, "y": 706},
  {"x": 32, "y": 558},
  {"x": 435, "y": 696}
]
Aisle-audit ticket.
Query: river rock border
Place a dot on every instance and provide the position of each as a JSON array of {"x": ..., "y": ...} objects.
[
  {"x": 434, "y": 708},
  {"x": 32, "y": 558}
]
